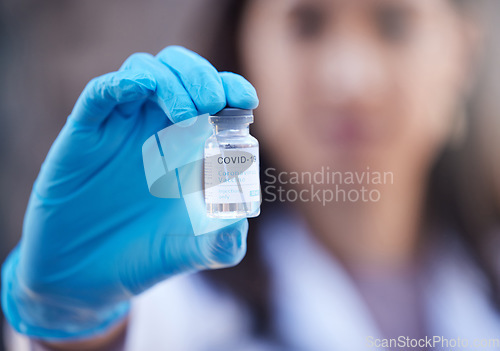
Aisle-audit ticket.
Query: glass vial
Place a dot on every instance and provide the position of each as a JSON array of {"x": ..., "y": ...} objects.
[{"x": 231, "y": 166}]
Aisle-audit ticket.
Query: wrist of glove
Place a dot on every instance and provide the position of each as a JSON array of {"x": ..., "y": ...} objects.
[{"x": 53, "y": 318}]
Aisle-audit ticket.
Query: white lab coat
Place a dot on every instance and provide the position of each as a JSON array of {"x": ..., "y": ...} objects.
[{"x": 316, "y": 305}]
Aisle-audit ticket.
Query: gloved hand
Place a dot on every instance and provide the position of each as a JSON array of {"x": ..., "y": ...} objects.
[{"x": 93, "y": 236}]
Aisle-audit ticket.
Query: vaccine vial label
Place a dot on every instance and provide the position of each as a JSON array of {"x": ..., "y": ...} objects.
[{"x": 232, "y": 175}]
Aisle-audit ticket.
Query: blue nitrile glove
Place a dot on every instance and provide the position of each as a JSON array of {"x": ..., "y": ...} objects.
[{"x": 93, "y": 235}]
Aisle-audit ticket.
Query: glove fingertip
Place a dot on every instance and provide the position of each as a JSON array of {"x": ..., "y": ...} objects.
[
  {"x": 240, "y": 92},
  {"x": 228, "y": 247}
]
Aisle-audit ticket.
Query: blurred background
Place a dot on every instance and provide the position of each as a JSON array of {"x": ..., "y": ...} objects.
[{"x": 50, "y": 49}]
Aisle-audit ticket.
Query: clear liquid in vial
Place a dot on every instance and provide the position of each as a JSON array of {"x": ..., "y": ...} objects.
[{"x": 241, "y": 208}]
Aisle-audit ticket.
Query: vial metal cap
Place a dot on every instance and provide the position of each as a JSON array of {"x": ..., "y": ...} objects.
[{"x": 232, "y": 115}]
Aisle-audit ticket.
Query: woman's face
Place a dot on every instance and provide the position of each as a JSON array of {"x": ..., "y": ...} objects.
[{"x": 350, "y": 84}]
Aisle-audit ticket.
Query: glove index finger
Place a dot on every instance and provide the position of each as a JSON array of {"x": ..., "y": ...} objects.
[
  {"x": 200, "y": 79},
  {"x": 103, "y": 93}
]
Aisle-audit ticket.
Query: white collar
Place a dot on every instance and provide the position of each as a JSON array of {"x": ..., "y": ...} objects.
[{"x": 318, "y": 307}]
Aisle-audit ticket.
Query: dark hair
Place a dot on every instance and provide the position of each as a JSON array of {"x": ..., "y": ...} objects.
[{"x": 460, "y": 195}]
